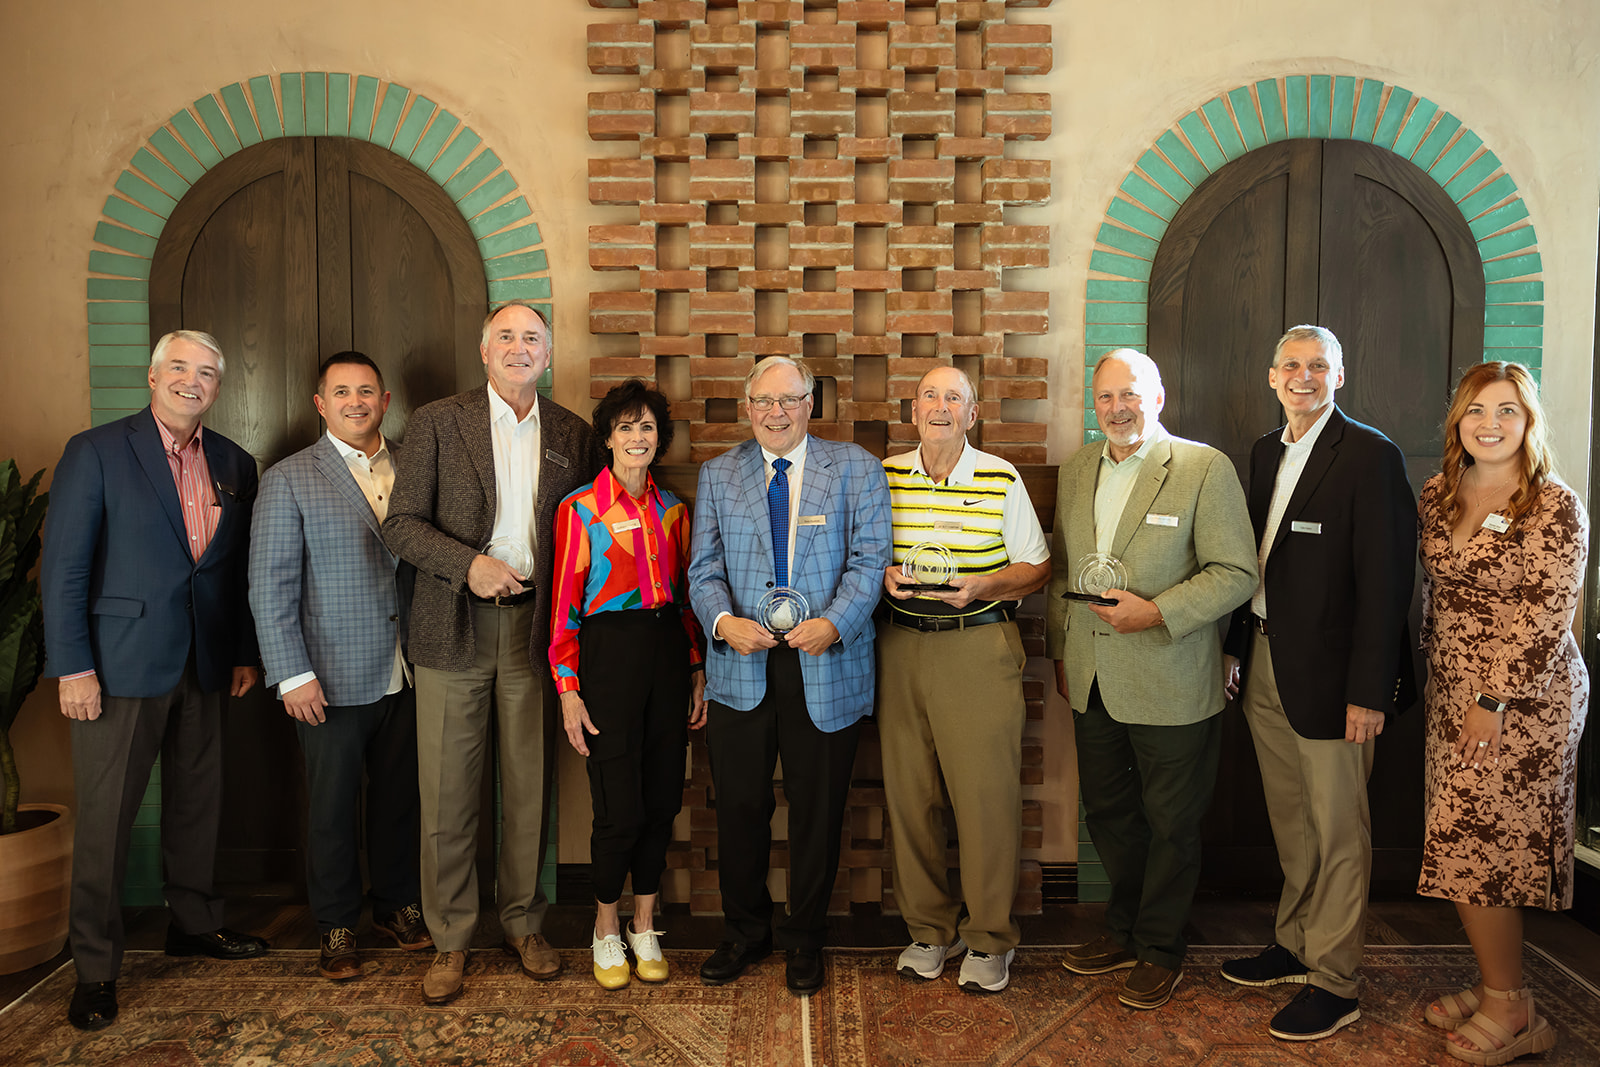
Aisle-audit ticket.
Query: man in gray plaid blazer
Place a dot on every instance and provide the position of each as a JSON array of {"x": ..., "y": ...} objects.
[
  {"x": 329, "y": 606},
  {"x": 474, "y": 508},
  {"x": 801, "y": 697}
]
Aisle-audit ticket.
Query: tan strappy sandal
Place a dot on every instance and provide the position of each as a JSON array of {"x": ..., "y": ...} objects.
[
  {"x": 1482, "y": 1031},
  {"x": 1453, "y": 1010}
]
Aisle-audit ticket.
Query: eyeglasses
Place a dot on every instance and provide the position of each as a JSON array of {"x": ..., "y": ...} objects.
[{"x": 788, "y": 403}]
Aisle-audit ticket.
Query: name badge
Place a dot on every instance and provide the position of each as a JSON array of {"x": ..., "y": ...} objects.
[
  {"x": 556, "y": 457},
  {"x": 812, "y": 520},
  {"x": 1305, "y": 527},
  {"x": 947, "y": 526},
  {"x": 1497, "y": 522},
  {"x": 1153, "y": 519},
  {"x": 624, "y": 527}
]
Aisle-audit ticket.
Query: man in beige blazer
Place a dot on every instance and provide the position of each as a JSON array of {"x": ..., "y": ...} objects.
[
  {"x": 1144, "y": 673},
  {"x": 473, "y": 508}
]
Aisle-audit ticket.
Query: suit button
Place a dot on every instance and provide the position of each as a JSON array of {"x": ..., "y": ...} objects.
[
  {"x": 769, "y": 585},
  {"x": 394, "y": 618},
  {"x": 188, "y": 605}
]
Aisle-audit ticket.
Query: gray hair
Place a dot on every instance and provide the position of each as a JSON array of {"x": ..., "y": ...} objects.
[
  {"x": 488, "y": 320},
  {"x": 194, "y": 337},
  {"x": 1144, "y": 368},
  {"x": 1320, "y": 334},
  {"x": 767, "y": 364}
]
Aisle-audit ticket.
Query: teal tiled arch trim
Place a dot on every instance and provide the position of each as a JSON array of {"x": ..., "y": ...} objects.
[
  {"x": 200, "y": 136},
  {"x": 313, "y": 104},
  {"x": 1323, "y": 106}
]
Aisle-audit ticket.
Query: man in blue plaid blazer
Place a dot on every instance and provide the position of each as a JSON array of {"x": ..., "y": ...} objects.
[
  {"x": 801, "y": 695},
  {"x": 329, "y": 601}
]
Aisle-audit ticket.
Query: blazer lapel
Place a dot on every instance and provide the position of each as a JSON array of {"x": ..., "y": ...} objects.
[
  {"x": 145, "y": 440},
  {"x": 1082, "y": 532},
  {"x": 337, "y": 471},
  {"x": 753, "y": 476},
  {"x": 472, "y": 421},
  {"x": 1152, "y": 473},
  {"x": 222, "y": 485},
  {"x": 1317, "y": 464},
  {"x": 816, "y": 489}
]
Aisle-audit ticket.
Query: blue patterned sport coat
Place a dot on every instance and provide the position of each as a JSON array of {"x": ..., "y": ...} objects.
[
  {"x": 838, "y": 565},
  {"x": 323, "y": 585}
]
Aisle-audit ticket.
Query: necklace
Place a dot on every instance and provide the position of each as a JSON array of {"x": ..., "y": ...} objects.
[{"x": 1490, "y": 495}]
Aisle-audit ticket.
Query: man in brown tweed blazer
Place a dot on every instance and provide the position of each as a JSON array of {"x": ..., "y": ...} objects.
[{"x": 473, "y": 508}]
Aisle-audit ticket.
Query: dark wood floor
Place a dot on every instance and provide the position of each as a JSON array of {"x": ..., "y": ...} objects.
[{"x": 1216, "y": 921}]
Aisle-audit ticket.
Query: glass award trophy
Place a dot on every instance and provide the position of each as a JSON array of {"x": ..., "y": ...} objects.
[
  {"x": 930, "y": 566},
  {"x": 781, "y": 610},
  {"x": 1096, "y": 574}
]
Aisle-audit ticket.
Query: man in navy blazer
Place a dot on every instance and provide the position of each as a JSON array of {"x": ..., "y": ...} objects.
[
  {"x": 824, "y": 507},
  {"x": 1327, "y": 661},
  {"x": 329, "y": 608},
  {"x": 146, "y": 626}
]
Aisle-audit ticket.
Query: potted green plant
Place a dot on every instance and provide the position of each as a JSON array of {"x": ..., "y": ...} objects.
[{"x": 35, "y": 839}]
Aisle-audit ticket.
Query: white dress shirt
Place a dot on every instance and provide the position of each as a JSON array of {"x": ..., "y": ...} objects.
[
  {"x": 375, "y": 476},
  {"x": 1290, "y": 467},
  {"x": 516, "y": 477}
]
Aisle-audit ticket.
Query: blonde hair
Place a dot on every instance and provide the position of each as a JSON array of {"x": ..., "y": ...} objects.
[{"x": 1538, "y": 462}]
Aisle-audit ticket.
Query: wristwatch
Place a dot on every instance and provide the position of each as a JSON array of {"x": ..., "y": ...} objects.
[{"x": 1489, "y": 703}]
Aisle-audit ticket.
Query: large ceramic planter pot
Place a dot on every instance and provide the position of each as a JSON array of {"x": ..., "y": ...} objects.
[{"x": 35, "y": 885}]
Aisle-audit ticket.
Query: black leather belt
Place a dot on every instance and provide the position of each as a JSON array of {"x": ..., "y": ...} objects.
[
  {"x": 933, "y": 624},
  {"x": 510, "y": 600}
]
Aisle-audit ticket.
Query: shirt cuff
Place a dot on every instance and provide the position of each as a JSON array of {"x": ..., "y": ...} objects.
[
  {"x": 289, "y": 685},
  {"x": 716, "y": 622},
  {"x": 75, "y": 677}
]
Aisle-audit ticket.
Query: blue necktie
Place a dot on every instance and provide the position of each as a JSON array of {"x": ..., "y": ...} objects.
[{"x": 778, "y": 512}]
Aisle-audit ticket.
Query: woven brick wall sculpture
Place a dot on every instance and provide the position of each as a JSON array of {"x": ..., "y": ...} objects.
[{"x": 827, "y": 180}]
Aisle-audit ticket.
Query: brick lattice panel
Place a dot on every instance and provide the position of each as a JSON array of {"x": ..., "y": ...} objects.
[{"x": 825, "y": 180}]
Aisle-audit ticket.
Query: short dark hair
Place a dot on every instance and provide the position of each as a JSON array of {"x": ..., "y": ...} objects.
[
  {"x": 359, "y": 359},
  {"x": 634, "y": 397}
]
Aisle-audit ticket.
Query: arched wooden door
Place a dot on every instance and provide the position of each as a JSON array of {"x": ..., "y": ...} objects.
[
  {"x": 288, "y": 252},
  {"x": 1352, "y": 237}
]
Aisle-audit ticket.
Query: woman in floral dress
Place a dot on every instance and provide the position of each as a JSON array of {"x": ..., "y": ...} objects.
[{"x": 1503, "y": 545}]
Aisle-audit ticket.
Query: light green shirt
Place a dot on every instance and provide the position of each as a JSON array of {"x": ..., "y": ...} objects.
[{"x": 1114, "y": 486}]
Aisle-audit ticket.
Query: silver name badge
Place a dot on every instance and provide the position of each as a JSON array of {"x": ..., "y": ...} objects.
[
  {"x": 624, "y": 527},
  {"x": 1305, "y": 527},
  {"x": 1497, "y": 522},
  {"x": 1153, "y": 519}
]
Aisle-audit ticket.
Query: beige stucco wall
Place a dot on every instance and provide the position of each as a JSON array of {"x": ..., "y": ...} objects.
[{"x": 86, "y": 82}]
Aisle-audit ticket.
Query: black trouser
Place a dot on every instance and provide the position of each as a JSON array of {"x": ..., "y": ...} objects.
[
  {"x": 634, "y": 677},
  {"x": 379, "y": 739},
  {"x": 745, "y": 746},
  {"x": 1145, "y": 790}
]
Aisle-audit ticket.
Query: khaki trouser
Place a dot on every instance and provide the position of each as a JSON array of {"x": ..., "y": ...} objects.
[{"x": 1317, "y": 799}]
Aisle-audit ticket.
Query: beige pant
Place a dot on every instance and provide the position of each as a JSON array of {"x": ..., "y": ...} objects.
[
  {"x": 1317, "y": 799},
  {"x": 455, "y": 712},
  {"x": 950, "y": 707}
]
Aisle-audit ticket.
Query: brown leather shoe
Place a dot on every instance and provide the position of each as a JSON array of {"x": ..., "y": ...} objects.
[
  {"x": 1149, "y": 985},
  {"x": 539, "y": 958},
  {"x": 406, "y": 927},
  {"x": 339, "y": 955},
  {"x": 1100, "y": 956},
  {"x": 442, "y": 983}
]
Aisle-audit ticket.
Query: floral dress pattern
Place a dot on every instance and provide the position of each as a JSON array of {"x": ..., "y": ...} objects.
[{"x": 1497, "y": 618}]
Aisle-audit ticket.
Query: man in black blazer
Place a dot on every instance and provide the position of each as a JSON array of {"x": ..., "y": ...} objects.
[
  {"x": 147, "y": 627},
  {"x": 1326, "y": 660}
]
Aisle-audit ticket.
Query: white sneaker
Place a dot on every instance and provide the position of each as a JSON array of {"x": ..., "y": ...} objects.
[
  {"x": 610, "y": 961},
  {"x": 922, "y": 960},
  {"x": 985, "y": 973}
]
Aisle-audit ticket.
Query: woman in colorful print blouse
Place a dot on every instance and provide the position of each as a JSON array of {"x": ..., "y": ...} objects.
[
  {"x": 627, "y": 655},
  {"x": 1503, "y": 545}
]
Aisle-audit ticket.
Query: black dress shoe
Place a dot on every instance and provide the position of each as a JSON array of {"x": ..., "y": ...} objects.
[
  {"x": 804, "y": 971},
  {"x": 94, "y": 1005},
  {"x": 220, "y": 944},
  {"x": 730, "y": 960}
]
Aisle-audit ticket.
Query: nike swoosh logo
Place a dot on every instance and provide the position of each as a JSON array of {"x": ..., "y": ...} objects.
[{"x": 969, "y": 503}]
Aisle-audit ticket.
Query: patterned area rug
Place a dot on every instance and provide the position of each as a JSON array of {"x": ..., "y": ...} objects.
[{"x": 275, "y": 1011}]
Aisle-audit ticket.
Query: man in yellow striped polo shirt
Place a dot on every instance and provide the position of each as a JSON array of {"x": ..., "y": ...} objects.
[{"x": 950, "y": 687}]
